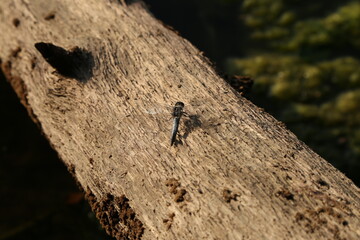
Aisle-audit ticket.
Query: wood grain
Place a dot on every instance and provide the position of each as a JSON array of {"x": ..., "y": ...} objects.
[{"x": 235, "y": 172}]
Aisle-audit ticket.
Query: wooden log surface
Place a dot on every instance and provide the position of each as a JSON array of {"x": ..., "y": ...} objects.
[{"x": 99, "y": 98}]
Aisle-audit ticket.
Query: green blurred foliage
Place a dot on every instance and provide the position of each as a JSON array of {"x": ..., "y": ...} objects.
[{"x": 307, "y": 72}]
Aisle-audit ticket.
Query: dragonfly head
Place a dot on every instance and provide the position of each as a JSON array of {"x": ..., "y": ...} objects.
[{"x": 179, "y": 104}]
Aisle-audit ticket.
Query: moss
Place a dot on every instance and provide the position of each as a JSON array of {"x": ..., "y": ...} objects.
[
  {"x": 286, "y": 19},
  {"x": 327, "y": 93},
  {"x": 339, "y": 28},
  {"x": 307, "y": 110},
  {"x": 349, "y": 102}
]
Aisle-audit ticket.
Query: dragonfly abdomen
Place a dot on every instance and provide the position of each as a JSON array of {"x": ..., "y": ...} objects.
[{"x": 175, "y": 129}]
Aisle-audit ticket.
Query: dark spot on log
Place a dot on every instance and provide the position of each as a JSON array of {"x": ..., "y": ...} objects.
[
  {"x": 299, "y": 217},
  {"x": 286, "y": 194},
  {"x": 228, "y": 195},
  {"x": 173, "y": 184},
  {"x": 320, "y": 219},
  {"x": 50, "y": 16},
  {"x": 16, "y": 22},
  {"x": 323, "y": 184},
  {"x": 116, "y": 216},
  {"x": 15, "y": 53},
  {"x": 33, "y": 62},
  {"x": 76, "y": 63},
  {"x": 174, "y": 188},
  {"x": 179, "y": 196},
  {"x": 168, "y": 221},
  {"x": 71, "y": 169}
]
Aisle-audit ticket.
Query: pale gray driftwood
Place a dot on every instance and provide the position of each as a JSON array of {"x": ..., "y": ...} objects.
[{"x": 235, "y": 172}]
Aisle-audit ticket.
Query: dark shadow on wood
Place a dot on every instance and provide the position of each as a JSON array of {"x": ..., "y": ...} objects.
[
  {"x": 76, "y": 63},
  {"x": 191, "y": 124}
]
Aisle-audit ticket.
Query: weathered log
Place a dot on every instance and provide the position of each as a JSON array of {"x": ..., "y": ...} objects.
[{"x": 89, "y": 72}]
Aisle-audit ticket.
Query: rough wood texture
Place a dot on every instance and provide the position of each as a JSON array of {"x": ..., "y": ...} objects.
[{"x": 236, "y": 173}]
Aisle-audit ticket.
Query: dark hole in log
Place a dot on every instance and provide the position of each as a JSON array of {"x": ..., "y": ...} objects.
[
  {"x": 50, "y": 16},
  {"x": 16, "y": 22},
  {"x": 323, "y": 184},
  {"x": 76, "y": 63}
]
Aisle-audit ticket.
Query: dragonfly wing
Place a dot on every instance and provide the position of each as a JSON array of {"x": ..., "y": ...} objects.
[{"x": 157, "y": 109}]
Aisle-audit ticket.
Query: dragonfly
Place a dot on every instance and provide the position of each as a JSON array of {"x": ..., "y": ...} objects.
[{"x": 176, "y": 112}]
